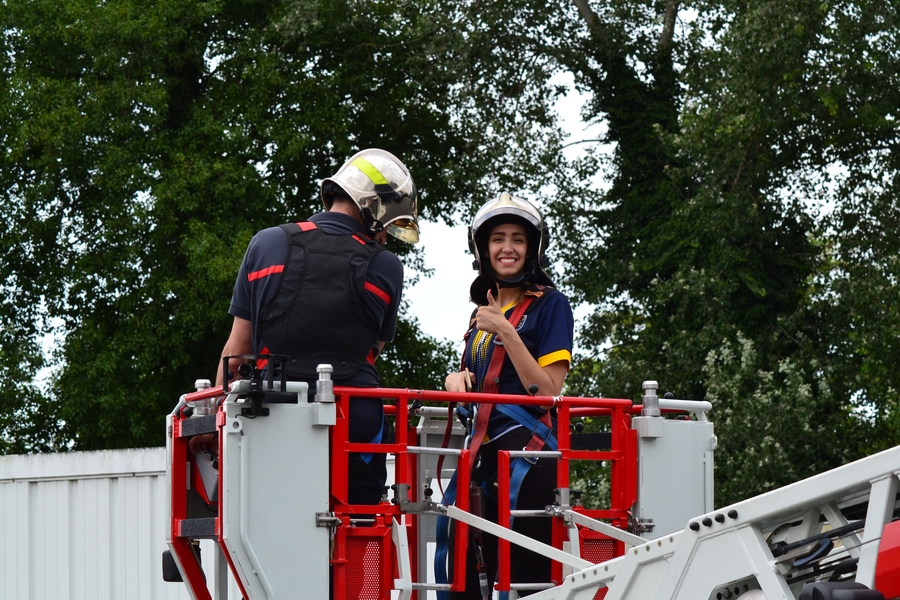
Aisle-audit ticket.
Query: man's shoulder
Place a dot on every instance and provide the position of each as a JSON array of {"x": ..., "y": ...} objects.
[
  {"x": 269, "y": 234},
  {"x": 386, "y": 262}
]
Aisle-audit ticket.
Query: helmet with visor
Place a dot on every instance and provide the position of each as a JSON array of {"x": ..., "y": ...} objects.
[
  {"x": 508, "y": 209},
  {"x": 383, "y": 189}
]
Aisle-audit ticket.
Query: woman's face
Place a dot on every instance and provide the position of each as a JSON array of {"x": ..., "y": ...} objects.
[{"x": 508, "y": 249}]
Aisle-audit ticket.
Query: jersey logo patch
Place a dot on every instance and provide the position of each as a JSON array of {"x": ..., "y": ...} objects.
[
  {"x": 521, "y": 323},
  {"x": 499, "y": 342}
]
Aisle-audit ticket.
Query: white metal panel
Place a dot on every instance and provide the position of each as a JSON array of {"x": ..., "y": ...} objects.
[
  {"x": 84, "y": 526},
  {"x": 675, "y": 472},
  {"x": 269, "y": 504}
]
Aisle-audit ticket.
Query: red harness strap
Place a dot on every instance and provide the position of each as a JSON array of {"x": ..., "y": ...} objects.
[{"x": 491, "y": 381}]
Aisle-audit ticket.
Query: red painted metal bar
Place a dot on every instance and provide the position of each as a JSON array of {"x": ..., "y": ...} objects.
[
  {"x": 564, "y": 441},
  {"x": 503, "y": 518},
  {"x": 213, "y": 392},
  {"x": 220, "y": 424},
  {"x": 461, "y": 538},
  {"x": 624, "y": 471},
  {"x": 401, "y": 435},
  {"x": 339, "y": 560},
  {"x": 340, "y": 433},
  {"x": 444, "y": 397},
  {"x": 181, "y": 546}
]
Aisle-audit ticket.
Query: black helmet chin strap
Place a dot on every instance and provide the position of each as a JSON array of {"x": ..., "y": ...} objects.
[
  {"x": 514, "y": 282},
  {"x": 519, "y": 280},
  {"x": 488, "y": 279},
  {"x": 373, "y": 225}
]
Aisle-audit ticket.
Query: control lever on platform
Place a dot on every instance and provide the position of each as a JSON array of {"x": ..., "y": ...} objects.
[
  {"x": 414, "y": 407},
  {"x": 256, "y": 394}
]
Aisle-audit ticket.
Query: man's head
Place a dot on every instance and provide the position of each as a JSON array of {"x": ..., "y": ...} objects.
[{"x": 383, "y": 190}]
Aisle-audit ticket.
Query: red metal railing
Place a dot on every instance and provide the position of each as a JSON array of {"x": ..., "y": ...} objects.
[
  {"x": 364, "y": 559},
  {"x": 622, "y": 457}
]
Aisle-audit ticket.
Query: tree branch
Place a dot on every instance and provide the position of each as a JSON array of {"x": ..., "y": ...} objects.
[
  {"x": 598, "y": 140},
  {"x": 590, "y": 17},
  {"x": 668, "y": 32}
]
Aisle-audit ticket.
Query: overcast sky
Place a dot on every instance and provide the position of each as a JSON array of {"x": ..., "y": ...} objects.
[{"x": 441, "y": 303}]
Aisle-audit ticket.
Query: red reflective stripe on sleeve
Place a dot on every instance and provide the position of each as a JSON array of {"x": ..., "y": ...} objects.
[
  {"x": 306, "y": 225},
  {"x": 265, "y": 272},
  {"x": 261, "y": 364},
  {"x": 371, "y": 287},
  {"x": 359, "y": 239}
]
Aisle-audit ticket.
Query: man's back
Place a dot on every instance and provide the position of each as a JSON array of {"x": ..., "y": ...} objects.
[{"x": 292, "y": 295}]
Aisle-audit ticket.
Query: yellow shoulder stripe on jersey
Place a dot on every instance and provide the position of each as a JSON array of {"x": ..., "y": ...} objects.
[{"x": 549, "y": 359}]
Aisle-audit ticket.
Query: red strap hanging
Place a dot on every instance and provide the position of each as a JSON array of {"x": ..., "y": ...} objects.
[{"x": 492, "y": 378}]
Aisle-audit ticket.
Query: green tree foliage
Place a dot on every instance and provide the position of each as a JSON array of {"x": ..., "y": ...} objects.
[
  {"x": 144, "y": 143},
  {"x": 710, "y": 267},
  {"x": 731, "y": 250},
  {"x": 728, "y": 228}
]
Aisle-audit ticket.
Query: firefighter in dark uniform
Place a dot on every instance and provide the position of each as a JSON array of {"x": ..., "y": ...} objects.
[{"x": 327, "y": 291}]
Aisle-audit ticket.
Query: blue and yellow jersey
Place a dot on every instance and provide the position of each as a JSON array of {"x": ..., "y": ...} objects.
[{"x": 547, "y": 329}]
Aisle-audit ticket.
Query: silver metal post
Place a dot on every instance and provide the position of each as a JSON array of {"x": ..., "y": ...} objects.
[
  {"x": 650, "y": 400},
  {"x": 324, "y": 385},
  {"x": 206, "y": 406}
]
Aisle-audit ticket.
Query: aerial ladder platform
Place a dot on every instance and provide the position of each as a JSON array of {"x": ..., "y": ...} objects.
[{"x": 273, "y": 499}]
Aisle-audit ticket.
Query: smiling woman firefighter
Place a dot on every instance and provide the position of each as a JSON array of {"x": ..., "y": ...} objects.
[{"x": 519, "y": 341}]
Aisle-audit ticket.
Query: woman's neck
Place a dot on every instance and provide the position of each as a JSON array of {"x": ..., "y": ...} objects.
[{"x": 509, "y": 296}]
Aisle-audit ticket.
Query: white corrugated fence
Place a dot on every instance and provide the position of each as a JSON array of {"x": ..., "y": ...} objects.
[{"x": 84, "y": 526}]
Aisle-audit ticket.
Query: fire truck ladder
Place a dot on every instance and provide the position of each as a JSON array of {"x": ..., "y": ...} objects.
[{"x": 824, "y": 533}]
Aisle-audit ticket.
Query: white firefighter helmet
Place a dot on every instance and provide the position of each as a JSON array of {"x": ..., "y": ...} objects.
[
  {"x": 509, "y": 209},
  {"x": 383, "y": 189}
]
